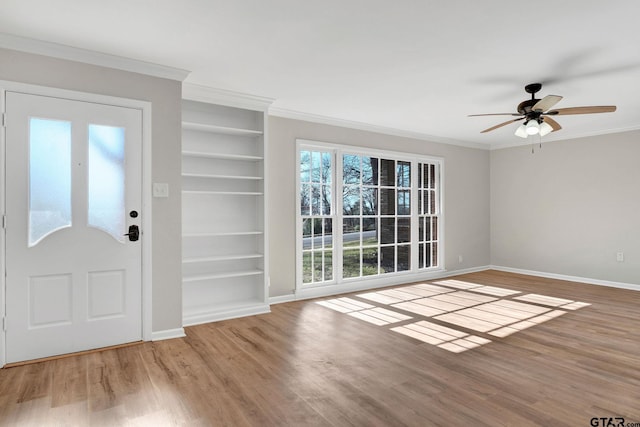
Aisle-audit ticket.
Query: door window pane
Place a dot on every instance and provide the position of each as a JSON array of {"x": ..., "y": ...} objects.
[
  {"x": 49, "y": 177},
  {"x": 106, "y": 180}
]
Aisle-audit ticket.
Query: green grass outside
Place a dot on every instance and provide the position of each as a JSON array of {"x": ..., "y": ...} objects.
[{"x": 350, "y": 261}]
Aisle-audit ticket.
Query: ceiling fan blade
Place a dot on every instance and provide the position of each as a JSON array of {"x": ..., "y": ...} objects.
[
  {"x": 501, "y": 124},
  {"x": 583, "y": 110},
  {"x": 555, "y": 125},
  {"x": 495, "y": 114},
  {"x": 547, "y": 102}
]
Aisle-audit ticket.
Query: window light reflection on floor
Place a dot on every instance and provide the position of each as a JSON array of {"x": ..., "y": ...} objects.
[{"x": 484, "y": 309}]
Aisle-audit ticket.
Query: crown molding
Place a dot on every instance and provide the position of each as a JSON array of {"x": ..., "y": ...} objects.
[
  {"x": 60, "y": 51},
  {"x": 226, "y": 97},
  {"x": 332, "y": 121}
]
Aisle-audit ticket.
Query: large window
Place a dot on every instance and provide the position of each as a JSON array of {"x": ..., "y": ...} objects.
[{"x": 364, "y": 214}]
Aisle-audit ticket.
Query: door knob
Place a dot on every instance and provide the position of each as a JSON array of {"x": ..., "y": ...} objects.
[{"x": 134, "y": 233}]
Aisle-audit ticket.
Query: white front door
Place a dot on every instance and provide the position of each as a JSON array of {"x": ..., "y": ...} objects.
[{"x": 73, "y": 190}]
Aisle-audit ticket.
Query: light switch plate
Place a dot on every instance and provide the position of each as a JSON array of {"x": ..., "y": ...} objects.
[{"x": 160, "y": 189}]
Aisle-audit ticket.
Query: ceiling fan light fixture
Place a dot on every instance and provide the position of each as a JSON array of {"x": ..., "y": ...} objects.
[
  {"x": 545, "y": 128},
  {"x": 532, "y": 127},
  {"x": 521, "y": 132},
  {"x": 536, "y": 114}
]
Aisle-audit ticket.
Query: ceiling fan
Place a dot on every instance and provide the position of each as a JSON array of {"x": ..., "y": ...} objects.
[{"x": 536, "y": 113}]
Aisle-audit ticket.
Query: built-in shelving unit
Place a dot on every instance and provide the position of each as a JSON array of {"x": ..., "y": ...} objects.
[{"x": 223, "y": 210}]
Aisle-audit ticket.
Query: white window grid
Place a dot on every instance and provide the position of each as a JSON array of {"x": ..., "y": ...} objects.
[{"x": 416, "y": 242}]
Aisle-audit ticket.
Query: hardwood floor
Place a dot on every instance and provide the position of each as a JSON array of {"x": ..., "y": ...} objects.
[{"x": 306, "y": 364}]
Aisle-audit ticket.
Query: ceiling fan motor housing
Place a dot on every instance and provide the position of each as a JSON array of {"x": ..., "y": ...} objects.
[{"x": 525, "y": 108}]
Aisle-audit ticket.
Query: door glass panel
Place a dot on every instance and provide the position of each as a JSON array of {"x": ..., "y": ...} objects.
[
  {"x": 49, "y": 177},
  {"x": 106, "y": 180}
]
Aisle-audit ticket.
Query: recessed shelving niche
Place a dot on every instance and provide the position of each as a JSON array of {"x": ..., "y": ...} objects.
[{"x": 224, "y": 239}]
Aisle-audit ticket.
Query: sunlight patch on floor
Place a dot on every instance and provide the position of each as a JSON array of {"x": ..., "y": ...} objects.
[
  {"x": 544, "y": 300},
  {"x": 380, "y": 316},
  {"x": 484, "y": 309},
  {"x": 345, "y": 305},
  {"x": 458, "y": 284},
  {"x": 441, "y": 336},
  {"x": 575, "y": 305}
]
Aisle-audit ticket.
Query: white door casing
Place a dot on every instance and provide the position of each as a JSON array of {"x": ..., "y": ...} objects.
[{"x": 73, "y": 280}]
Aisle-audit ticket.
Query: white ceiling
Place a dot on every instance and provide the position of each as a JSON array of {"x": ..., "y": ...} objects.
[{"x": 415, "y": 66}]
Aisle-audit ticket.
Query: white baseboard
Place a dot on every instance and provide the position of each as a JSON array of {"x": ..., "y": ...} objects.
[
  {"x": 378, "y": 282},
  {"x": 587, "y": 280},
  {"x": 231, "y": 313},
  {"x": 167, "y": 334},
  {"x": 282, "y": 298}
]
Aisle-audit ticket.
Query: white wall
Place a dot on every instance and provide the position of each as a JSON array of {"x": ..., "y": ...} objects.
[
  {"x": 466, "y": 193},
  {"x": 569, "y": 208},
  {"x": 165, "y": 96}
]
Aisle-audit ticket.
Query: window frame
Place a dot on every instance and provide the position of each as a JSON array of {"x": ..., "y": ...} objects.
[
  {"x": 337, "y": 151},
  {"x": 300, "y": 220}
]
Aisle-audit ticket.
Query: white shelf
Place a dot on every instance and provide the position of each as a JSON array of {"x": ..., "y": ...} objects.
[
  {"x": 223, "y": 156},
  {"x": 214, "y": 176},
  {"x": 216, "y": 276},
  {"x": 203, "y": 127},
  {"x": 195, "y": 260},
  {"x": 222, "y": 193}
]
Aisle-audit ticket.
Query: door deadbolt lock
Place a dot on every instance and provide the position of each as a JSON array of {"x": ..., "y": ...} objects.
[{"x": 134, "y": 233}]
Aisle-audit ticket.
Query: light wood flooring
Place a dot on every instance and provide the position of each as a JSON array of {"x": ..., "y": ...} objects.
[{"x": 308, "y": 364}]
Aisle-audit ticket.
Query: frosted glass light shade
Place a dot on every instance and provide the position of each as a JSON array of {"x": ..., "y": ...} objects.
[
  {"x": 545, "y": 128},
  {"x": 532, "y": 127},
  {"x": 521, "y": 132}
]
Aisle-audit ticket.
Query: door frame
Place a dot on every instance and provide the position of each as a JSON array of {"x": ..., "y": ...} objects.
[{"x": 146, "y": 268}]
